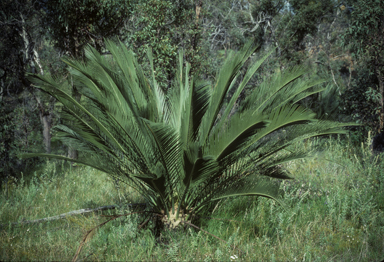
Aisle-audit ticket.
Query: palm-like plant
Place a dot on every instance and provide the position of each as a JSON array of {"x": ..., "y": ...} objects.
[{"x": 182, "y": 150}]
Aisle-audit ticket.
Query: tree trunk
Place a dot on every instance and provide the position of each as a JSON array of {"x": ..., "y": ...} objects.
[
  {"x": 75, "y": 53},
  {"x": 32, "y": 57},
  {"x": 381, "y": 89},
  {"x": 46, "y": 120},
  {"x": 73, "y": 153},
  {"x": 196, "y": 37}
]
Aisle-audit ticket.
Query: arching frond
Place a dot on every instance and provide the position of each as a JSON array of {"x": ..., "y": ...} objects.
[{"x": 175, "y": 149}]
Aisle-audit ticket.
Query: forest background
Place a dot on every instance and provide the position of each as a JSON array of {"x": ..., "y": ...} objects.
[{"x": 341, "y": 41}]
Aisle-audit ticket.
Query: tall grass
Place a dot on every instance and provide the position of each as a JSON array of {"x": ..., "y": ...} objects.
[{"x": 334, "y": 212}]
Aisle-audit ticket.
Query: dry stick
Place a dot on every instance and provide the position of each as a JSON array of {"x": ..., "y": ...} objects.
[
  {"x": 144, "y": 223},
  {"x": 139, "y": 226},
  {"x": 72, "y": 213},
  {"x": 86, "y": 257},
  {"x": 85, "y": 238}
]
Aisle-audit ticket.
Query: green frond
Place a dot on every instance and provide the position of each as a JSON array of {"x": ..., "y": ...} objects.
[
  {"x": 201, "y": 95},
  {"x": 53, "y": 156},
  {"x": 159, "y": 95},
  {"x": 248, "y": 75},
  {"x": 225, "y": 80},
  {"x": 65, "y": 98},
  {"x": 169, "y": 156},
  {"x": 252, "y": 186},
  {"x": 176, "y": 149}
]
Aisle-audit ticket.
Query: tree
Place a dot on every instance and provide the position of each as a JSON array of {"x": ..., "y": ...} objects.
[
  {"x": 365, "y": 37},
  {"x": 223, "y": 30},
  {"x": 166, "y": 26},
  {"x": 283, "y": 24},
  {"x": 294, "y": 20},
  {"x": 19, "y": 42},
  {"x": 178, "y": 151},
  {"x": 74, "y": 24}
]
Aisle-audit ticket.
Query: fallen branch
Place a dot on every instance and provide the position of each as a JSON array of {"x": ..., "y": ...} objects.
[
  {"x": 72, "y": 213},
  {"x": 87, "y": 234}
]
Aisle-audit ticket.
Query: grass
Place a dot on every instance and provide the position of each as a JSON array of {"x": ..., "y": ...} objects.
[{"x": 334, "y": 212}]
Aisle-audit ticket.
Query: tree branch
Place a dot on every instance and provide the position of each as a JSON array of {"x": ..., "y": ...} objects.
[{"x": 72, "y": 213}]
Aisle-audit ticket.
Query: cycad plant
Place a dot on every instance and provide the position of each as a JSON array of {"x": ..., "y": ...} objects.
[{"x": 183, "y": 149}]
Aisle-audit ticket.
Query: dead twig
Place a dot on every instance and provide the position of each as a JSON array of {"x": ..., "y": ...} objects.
[
  {"x": 87, "y": 234},
  {"x": 72, "y": 213}
]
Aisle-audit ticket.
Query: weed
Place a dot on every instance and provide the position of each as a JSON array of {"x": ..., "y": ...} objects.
[{"x": 334, "y": 212}]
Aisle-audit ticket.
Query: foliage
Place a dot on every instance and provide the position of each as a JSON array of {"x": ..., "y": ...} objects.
[
  {"x": 365, "y": 37},
  {"x": 366, "y": 26},
  {"x": 293, "y": 21},
  {"x": 20, "y": 131},
  {"x": 206, "y": 32},
  {"x": 166, "y": 26},
  {"x": 223, "y": 24},
  {"x": 336, "y": 210},
  {"x": 177, "y": 151},
  {"x": 360, "y": 103},
  {"x": 73, "y": 25},
  {"x": 304, "y": 17},
  {"x": 12, "y": 62},
  {"x": 6, "y": 143},
  {"x": 18, "y": 121},
  {"x": 335, "y": 213}
]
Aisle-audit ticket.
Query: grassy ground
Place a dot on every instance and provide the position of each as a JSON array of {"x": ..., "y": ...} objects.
[{"x": 334, "y": 212}]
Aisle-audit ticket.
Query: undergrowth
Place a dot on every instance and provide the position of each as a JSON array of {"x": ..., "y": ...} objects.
[{"x": 333, "y": 211}]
